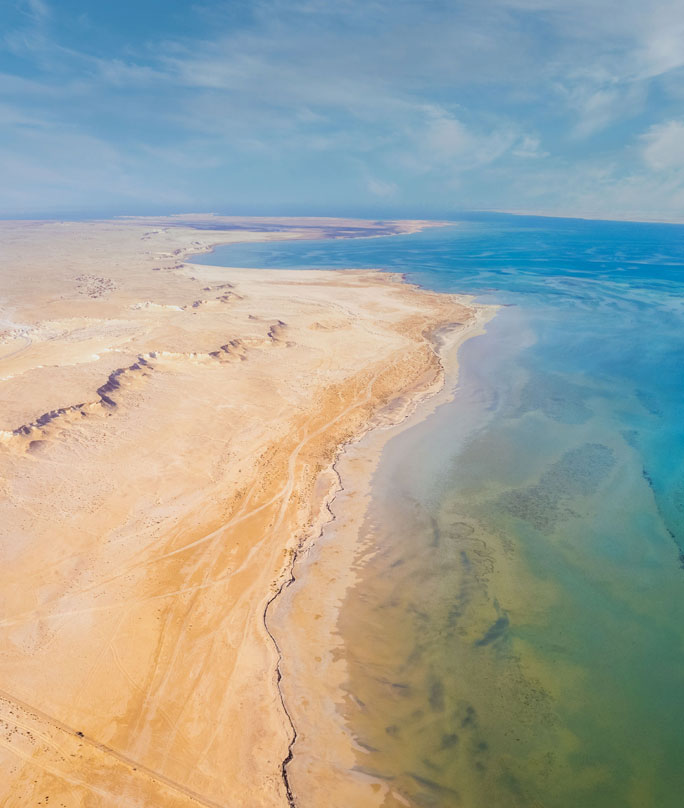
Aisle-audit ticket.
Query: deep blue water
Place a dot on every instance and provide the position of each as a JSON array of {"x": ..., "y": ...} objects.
[{"x": 530, "y": 534}]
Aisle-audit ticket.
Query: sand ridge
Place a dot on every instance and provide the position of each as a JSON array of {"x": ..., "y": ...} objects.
[{"x": 166, "y": 431}]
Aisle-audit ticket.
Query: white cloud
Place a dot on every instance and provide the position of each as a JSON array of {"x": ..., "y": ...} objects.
[
  {"x": 38, "y": 9},
  {"x": 411, "y": 96},
  {"x": 12, "y": 115},
  {"x": 529, "y": 147},
  {"x": 446, "y": 137},
  {"x": 120, "y": 73},
  {"x": 663, "y": 146},
  {"x": 660, "y": 40},
  {"x": 442, "y": 141},
  {"x": 381, "y": 188}
]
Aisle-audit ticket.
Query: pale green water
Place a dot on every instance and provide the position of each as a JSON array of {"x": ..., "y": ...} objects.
[{"x": 518, "y": 638}]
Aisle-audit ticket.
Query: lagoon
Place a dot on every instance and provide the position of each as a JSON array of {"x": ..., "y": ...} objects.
[{"x": 517, "y": 636}]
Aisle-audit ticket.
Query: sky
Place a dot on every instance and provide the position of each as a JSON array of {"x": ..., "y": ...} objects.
[{"x": 416, "y": 108}]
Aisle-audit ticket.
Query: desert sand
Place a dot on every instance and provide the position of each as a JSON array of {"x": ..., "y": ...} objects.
[{"x": 167, "y": 436}]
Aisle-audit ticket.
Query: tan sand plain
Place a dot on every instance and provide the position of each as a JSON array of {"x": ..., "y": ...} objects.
[{"x": 166, "y": 437}]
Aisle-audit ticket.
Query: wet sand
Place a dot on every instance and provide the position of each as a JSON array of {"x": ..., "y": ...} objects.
[
  {"x": 167, "y": 434},
  {"x": 326, "y": 766}
]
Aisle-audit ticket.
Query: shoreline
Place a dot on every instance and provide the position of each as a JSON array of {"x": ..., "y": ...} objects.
[
  {"x": 331, "y": 552},
  {"x": 381, "y": 428},
  {"x": 192, "y": 414}
]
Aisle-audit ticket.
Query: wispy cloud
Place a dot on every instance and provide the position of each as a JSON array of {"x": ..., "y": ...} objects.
[
  {"x": 38, "y": 9},
  {"x": 381, "y": 188},
  {"x": 529, "y": 147},
  {"x": 410, "y": 100},
  {"x": 663, "y": 146}
]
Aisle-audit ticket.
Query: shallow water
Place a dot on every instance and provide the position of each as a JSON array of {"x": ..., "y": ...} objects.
[{"x": 517, "y": 637}]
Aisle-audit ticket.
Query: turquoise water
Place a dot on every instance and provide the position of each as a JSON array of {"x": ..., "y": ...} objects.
[{"x": 517, "y": 638}]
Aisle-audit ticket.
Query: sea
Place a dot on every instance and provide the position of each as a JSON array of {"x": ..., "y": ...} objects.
[{"x": 517, "y": 636}]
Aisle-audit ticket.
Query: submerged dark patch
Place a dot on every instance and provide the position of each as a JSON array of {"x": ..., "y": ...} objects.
[
  {"x": 578, "y": 473},
  {"x": 557, "y": 398},
  {"x": 494, "y": 632}
]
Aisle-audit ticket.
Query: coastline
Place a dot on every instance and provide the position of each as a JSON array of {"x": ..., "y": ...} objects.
[
  {"x": 322, "y": 766},
  {"x": 138, "y": 578}
]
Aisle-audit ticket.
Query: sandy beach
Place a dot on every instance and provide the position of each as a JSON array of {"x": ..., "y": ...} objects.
[
  {"x": 167, "y": 439},
  {"x": 314, "y": 666}
]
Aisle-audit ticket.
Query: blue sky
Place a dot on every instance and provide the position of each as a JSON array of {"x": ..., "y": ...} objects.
[{"x": 368, "y": 107}]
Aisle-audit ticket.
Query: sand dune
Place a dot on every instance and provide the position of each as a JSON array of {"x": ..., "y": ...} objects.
[{"x": 163, "y": 431}]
